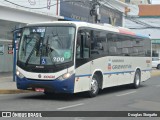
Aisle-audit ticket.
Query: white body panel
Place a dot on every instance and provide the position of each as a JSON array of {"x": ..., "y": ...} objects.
[
  {"x": 114, "y": 76},
  {"x": 82, "y": 80}
]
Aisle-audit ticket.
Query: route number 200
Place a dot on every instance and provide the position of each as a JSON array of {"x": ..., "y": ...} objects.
[{"x": 58, "y": 59}]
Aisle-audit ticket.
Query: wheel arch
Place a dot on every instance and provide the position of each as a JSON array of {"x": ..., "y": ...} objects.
[{"x": 99, "y": 73}]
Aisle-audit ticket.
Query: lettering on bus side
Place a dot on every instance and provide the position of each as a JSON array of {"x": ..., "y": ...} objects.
[
  {"x": 118, "y": 60},
  {"x": 121, "y": 67}
]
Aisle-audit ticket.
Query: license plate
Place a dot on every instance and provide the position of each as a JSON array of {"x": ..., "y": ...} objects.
[{"x": 39, "y": 89}]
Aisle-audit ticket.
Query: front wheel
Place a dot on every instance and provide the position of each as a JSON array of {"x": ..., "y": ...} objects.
[
  {"x": 94, "y": 89},
  {"x": 137, "y": 79}
]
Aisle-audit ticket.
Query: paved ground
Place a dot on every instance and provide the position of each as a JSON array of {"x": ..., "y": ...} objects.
[
  {"x": 155, "y": 72},
  {"x": 123, "y": 98},
  {"x": 7, "y": 85}
]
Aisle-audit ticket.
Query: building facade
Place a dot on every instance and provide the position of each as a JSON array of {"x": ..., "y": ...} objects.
[
  {"x": 17, "y": 13},
  {"x": 111, "y": 12},
  {"x": 136, "y": 2},
  {"x": 145, "y": 19}
]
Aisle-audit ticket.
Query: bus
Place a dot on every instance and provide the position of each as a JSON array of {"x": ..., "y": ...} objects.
[{"x": 73, "y": 57}]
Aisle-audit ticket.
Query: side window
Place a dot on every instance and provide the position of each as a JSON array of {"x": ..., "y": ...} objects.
[
  {"x": 119, "y": 45},
  {"x": 147, "y": 47},
  {"x": 138, "y": 47},
  {"x": 127, "y": 45},
  {"x": 83, "y": 44},
  {"x": 113, "y": 44},
  {"x": 98, "y": 44}
]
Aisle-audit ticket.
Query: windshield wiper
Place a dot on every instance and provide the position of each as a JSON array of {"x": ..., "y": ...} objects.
[
  {"x": 37, "y": 40},
  {"x": 24, "y": 45},
  {"x": 49, "y": 50}
]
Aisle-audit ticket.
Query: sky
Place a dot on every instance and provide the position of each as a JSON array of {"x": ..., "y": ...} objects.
[{"x": 155, "y": 1}]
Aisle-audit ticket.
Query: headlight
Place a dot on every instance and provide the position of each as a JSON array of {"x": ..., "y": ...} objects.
[
  {"x": 66, "y": 76},
  {"x": 19, "y": 74}
]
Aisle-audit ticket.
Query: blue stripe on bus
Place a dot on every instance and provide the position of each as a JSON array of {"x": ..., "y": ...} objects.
[
  {"x": 109, "y": 73},
  {"x": 84, "y": 75},
  {"x": 117, "y": 72},
  {"x": 147, "y": 70}
]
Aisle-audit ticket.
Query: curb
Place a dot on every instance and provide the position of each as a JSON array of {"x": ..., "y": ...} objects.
[{"x": 15, "y": 91}]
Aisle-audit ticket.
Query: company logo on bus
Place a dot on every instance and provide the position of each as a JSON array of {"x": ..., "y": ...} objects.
[
  {"x": 109, "y": 65},
  {"x": 49, "y": 76}
]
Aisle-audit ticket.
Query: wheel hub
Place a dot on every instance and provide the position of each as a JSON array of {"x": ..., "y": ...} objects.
[
  {"x": 137, "y": 79},
  {"x": 94, "y": 86}
]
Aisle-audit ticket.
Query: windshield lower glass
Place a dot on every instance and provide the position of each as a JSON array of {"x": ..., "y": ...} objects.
[{"x": 46, "y": 45}]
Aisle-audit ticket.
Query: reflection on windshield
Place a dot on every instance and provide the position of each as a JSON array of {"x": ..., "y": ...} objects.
[{"x": 46, "y": 45}]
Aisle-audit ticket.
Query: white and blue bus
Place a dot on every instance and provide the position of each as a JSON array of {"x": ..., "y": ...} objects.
[{"x": 72, "y": 57}]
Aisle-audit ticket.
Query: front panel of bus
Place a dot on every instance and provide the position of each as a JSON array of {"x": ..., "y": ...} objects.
[{"x": 46, "y": 58}]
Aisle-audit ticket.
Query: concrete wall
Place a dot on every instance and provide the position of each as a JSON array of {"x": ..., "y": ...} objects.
[{"x": 6, "y": 60}]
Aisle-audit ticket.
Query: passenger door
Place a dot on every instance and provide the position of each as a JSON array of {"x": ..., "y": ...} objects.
[{"x": 82, "y": 82}]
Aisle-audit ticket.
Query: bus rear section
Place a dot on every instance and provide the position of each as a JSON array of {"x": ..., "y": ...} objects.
[{"x": 106, "y": 58}]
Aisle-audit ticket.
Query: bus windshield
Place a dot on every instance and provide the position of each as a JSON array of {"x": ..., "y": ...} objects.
[{"x": 46, "y": 45}]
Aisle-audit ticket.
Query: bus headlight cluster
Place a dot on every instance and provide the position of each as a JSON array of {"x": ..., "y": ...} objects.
[
  {"x": 19, "y": 74},
  {"x": 66, "y": 76}
]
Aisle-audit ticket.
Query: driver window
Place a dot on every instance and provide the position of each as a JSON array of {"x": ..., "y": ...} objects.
[{"x": 83, "y": 45}]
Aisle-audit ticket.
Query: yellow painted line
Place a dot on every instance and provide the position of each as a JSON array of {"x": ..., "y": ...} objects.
[
  {"x": 14, "y": 91},
  {"x": 6, "y": 77},
  {"x": 155, "y": 73}
]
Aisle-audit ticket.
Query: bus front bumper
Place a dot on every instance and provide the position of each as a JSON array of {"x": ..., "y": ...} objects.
[{"x": 56, "y": 86}]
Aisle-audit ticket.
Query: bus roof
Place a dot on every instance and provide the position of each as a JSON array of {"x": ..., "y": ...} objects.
[{"x": 107, "y": 27}]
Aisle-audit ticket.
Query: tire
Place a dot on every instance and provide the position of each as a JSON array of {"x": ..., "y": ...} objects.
[
  {"x": 158, "y": 66},
  {"x": 137, "y": 80},
  {"x": 94, "y": 87}
]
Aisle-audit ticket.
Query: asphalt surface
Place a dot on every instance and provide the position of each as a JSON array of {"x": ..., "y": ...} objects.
[{"x": 123, "y": 98}]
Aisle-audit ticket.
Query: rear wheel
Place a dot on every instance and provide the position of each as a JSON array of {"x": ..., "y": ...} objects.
[
  {"x": 94, "y": 89},
  {"x": 137, "y": 79}
]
